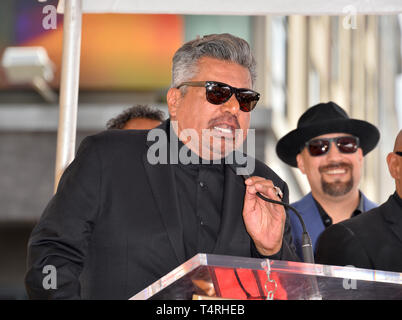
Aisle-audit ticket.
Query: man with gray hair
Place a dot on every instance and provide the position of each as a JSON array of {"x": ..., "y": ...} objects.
[{"x": 119, "y": 221}]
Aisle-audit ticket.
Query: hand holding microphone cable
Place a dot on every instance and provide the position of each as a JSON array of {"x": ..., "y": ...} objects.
[{"x": 307, "y": 247}]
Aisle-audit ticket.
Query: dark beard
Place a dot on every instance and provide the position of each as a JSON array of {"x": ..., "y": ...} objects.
[{"x": 337, "y": 188}]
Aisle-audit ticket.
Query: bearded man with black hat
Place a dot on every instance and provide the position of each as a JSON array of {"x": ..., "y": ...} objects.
[
  {"x": 328, "y": 147},
  {"x": 373, "y": 240}
]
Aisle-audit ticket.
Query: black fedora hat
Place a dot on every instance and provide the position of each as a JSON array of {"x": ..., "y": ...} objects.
[{"x": 321, "y": 119}]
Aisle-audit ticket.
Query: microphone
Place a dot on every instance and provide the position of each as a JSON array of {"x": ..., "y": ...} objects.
[{"x": 307, "y": 247}]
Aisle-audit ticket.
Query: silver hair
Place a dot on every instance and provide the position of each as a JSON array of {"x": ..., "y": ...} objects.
[{"x": 219, "y": 46}]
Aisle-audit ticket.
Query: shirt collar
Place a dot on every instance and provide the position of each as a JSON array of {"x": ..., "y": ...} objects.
[
  {"x": 360, "y": 208},
  {"x": 397, "y": 198},
  {"x": 327, "y": 220}
]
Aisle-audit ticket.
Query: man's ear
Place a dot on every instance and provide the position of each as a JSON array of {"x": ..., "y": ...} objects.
[
  {"x": 300, "y": 163},
  {"x": 173, "y": 98},
  {"x": 393, "y": 165}
]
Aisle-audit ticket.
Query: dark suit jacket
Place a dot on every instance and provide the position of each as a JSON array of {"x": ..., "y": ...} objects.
[
  {"x": 372, "y": 240},
  {"x": 114, "y": 225}
]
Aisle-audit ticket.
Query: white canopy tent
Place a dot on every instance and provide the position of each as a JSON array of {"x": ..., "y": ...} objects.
[
  {"x": 73, "y": 10},
  {"x": 241, "y": 7}
]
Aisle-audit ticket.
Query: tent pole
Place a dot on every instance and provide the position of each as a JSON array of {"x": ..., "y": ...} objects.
[{"x": 69, "y": 85}]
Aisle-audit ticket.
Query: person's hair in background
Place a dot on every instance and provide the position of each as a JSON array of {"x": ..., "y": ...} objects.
[
  {"x": 137, "y": 117},
  {"x": 226, "y": 47}
]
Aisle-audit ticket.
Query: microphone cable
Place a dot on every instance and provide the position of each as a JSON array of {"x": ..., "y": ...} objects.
[{"x": 307, "y": 246}]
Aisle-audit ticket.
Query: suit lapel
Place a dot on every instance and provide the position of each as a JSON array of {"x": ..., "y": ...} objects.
[
  {"x": 232, "y": 219},
  {"x": 163, "y": 185},
  {"x": 393, "y": 215}
]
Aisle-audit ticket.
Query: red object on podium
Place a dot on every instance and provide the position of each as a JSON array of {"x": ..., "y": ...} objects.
[{"x": 248, "y": 285}]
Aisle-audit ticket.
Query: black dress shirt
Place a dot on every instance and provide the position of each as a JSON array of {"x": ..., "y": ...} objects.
[
  {"x": 200, "y": 193},
  {"x": 327, "y": 220},
  {"x": 200, "y": 188}
]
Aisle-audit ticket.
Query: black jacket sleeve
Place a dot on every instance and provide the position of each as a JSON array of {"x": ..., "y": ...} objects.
[
  {"x": 338, "y": 245},
  {"x": 60, "y": 239}
]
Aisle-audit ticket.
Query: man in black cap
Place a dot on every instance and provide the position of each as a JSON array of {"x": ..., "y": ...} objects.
[
  {"x": 372, "y": 240},
  {"x": 328, "y": 147}
]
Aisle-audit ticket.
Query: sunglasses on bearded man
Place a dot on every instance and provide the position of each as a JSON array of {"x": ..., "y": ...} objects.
[
  {"x": 321, "y": 146},
  {"x": 219, "y": 92}
]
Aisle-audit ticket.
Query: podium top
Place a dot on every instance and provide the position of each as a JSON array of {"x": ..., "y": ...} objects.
[{"x": 208, "y": 273}]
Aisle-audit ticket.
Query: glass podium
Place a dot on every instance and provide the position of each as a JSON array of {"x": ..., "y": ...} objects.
[{"x": 209, "y": 276}]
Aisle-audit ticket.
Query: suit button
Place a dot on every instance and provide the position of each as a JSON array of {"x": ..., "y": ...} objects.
[{"x": 202, "y": 184}]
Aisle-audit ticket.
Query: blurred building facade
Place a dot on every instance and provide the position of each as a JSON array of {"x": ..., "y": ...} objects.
[{"x": 354, "y": 61}]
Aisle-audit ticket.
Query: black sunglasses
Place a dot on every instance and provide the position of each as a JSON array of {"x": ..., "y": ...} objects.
[
  {"x": 345, "y": 144},
  {"x": 399, "y": 153},
  {"x": 219, "y": 93}
]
